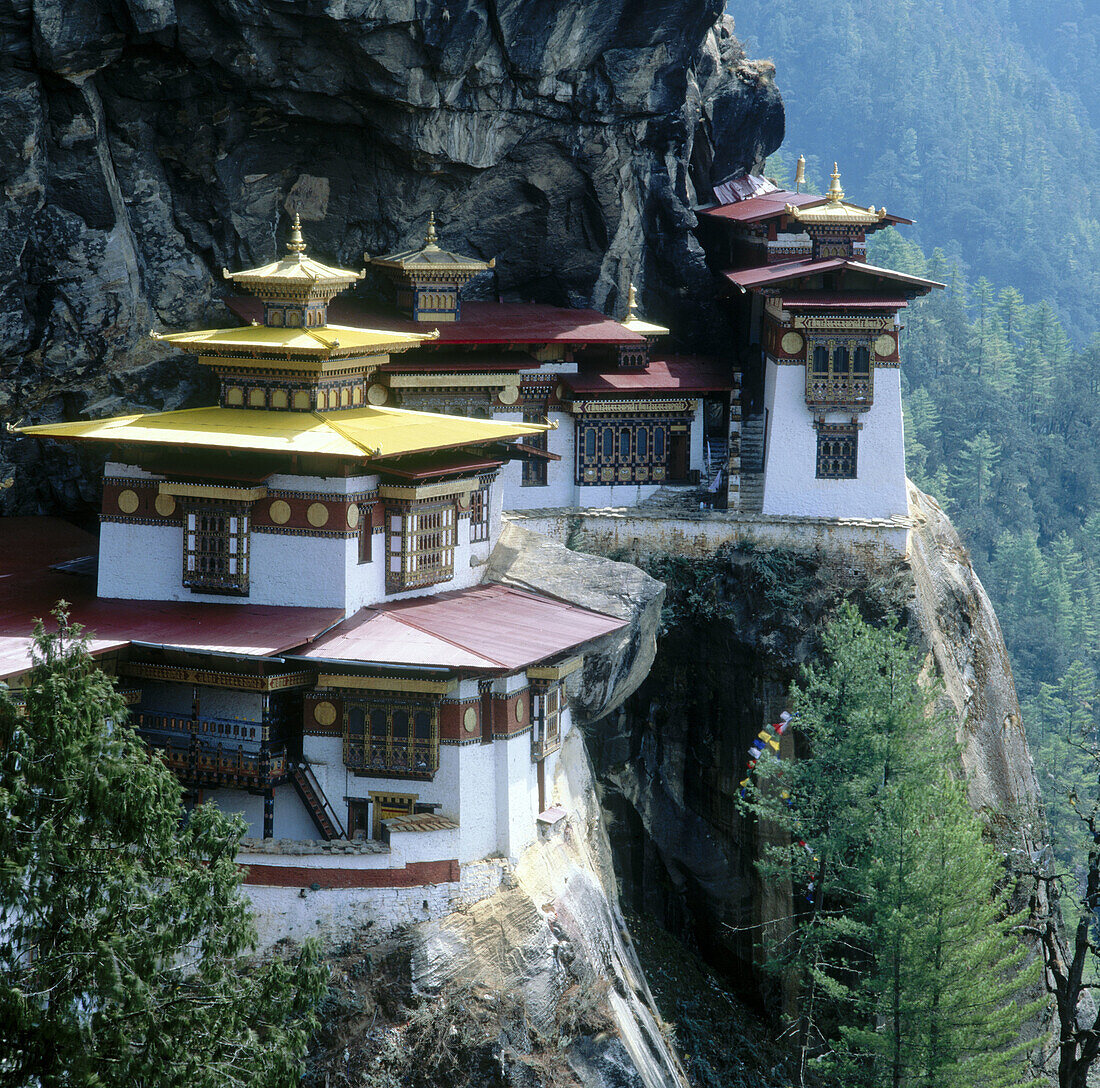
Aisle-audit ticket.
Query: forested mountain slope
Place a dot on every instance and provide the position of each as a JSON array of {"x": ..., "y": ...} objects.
[{"x": 977, "y": 118}]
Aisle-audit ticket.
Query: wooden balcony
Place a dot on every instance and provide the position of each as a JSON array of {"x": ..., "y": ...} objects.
[
  {"x": 840, "y": 391},
  {"x": 419, "y": 759},
  {"x": 201, "y": 754}
]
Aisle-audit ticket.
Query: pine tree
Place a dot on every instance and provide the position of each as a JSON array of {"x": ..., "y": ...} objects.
[
  {"x": 124, "y": 933},
  {"x": 908, "y": 974}
]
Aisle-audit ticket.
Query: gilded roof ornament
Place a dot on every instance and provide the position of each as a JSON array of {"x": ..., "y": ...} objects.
[
  {"x": 296, "y": 272},
  {"x": 635, "y": 322},
  {"x": 800, "y": 174},
  {"x": 296, "y": 243},
  {"x": 430, "y": 258},
  {"x": 835, "y": 211}
]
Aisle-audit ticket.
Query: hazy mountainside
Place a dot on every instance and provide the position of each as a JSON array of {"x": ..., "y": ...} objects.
[
  {"x": 1002, "y": 424},
  {"x": 977, "y": 118},
  {"x": 147, "y": 144}
]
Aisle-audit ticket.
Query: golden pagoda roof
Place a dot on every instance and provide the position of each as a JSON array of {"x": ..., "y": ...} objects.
[
  {"x": 638, "y": 324},
  {"x": 430, "y": 257},
  {"x": 836, "y": 212},
  {"x": 323, "y": 341},
  {"x": 356, "y": 434},
  {"x": 295, "y": 270}
]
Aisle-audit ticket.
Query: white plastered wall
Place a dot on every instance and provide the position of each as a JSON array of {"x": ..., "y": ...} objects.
[
  {"x": 145, "y": 562},
  {"x": 790, "y": 464},
  {"x": 560, "y": 488}
]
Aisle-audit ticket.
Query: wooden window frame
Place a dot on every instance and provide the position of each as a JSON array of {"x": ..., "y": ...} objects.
[
  {"x": 382, "y": 754},
  {"x": 481, "y": 505},
  {"x": 837, "y": 451},
  {"x": 547, "y": 706},
  {"x": 647, "y": 449},
  {"x": 420, "y": 552},
  {"x": 217, "y": 557}
]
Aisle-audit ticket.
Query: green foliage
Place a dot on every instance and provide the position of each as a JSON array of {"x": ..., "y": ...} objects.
[
  {"x": 909, "y": 972},
  {"x": 123, "y": 929},
  {"x": 979, "y": 119}
]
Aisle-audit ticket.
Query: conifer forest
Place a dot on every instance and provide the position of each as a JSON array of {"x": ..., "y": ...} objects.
[{"x": 1000, "y": 137}]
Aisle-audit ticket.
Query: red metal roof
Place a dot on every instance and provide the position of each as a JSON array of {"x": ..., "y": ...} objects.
[
  {"x": 756, "y": 208},
  {"x": 29, "y": 589},
  {"x": 672, "y": 374},
  {"x": 786, "y": 271},
  {"x": 842, "y": 300},
  {"x": 431, "y": 361},
  {"x": 481, "y": 323},
  {"x": 490, "y": 627},
  {"x": 442, "y": 465}
]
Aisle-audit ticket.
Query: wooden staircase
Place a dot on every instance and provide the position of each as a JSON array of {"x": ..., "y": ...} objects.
[{"x": 313, "y": 797}]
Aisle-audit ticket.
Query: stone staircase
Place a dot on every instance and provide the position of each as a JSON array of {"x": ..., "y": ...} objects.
[
  {"x": 672, "y": 500},
  {"x": 752, "y": 465}
]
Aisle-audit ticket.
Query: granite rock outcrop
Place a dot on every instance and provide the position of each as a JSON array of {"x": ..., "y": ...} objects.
[
  {"x": 737, "y": 628},
  {"x": 147, "y": 144}
]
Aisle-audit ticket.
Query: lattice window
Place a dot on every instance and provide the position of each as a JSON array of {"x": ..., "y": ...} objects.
[
  {"x": 840, "y": 372},
  {"x": 421, "y": 548},
  {"x": 480, "y": 507},
  {"x": 547, "y": 704},
  {"x": 837, "y": 445},
  {"x": 534, "y": 470},
  {"x": 215, "y": 549},
  {"x": 366, "y": 532},
  {"x": 384, "y": 737},
  {"x": 624, "y": 450}
]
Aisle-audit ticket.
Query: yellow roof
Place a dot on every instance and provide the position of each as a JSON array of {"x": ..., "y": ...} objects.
[
  {"x": 360, "y": 433},
  {"x": 430, "y": 258},
  {"x": 324, "y": 341},
  {"x": 295, "y": 270},
  {"x": 835, "y": 212}
]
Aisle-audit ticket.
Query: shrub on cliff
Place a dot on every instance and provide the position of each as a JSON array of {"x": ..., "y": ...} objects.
[{"x": 123, "y": 929}]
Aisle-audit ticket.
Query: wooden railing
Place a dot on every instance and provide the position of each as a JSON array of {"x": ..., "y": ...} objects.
[
  {"x": 848, "y": 391},
  {"x": 205, "y": 758},
  {"x": 419, "y": 757}
]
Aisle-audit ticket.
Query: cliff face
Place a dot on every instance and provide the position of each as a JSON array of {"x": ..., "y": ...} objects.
[
  {"x": 738, "y": 626},
  {"x": 149, "y": 143},
  {"x": 539, "y": 985}
]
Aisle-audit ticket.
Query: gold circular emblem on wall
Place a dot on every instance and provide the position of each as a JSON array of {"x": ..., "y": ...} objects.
[
  {"x": 519, "y": 710},
  {"x": 377, "y": 393},
  {"x": 165, "y": 506},
  {"x": 279, "y": 511},
  {"x": 509, "y": 394},
  {"x": 469, "y": 719},
  {"x": 128, "y": 501},
  {"x": 885, "y": 345},
  {"x": 324, "y": 713},
  {"x": 353, "y": 515},
  {"x": 317, "y": 514},
  {"x": 792, "y": 343}
]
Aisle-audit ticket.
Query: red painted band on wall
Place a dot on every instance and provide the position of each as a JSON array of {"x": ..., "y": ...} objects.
[{"x": 415, "y": 875}]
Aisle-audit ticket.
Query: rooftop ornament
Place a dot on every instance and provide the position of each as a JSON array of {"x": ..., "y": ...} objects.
[
  {"x": 835, "y": 212},
  {"x": 635, "y": 322}
]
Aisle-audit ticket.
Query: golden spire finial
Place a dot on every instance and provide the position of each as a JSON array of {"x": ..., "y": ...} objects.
[
  {"x": 296, "y": 244},
  {"x": 430, "y": 238},
  {"x": 836, "y": 193},
  {"x": 631, "y": 303},
  {"x": 800, "y": 174}
]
